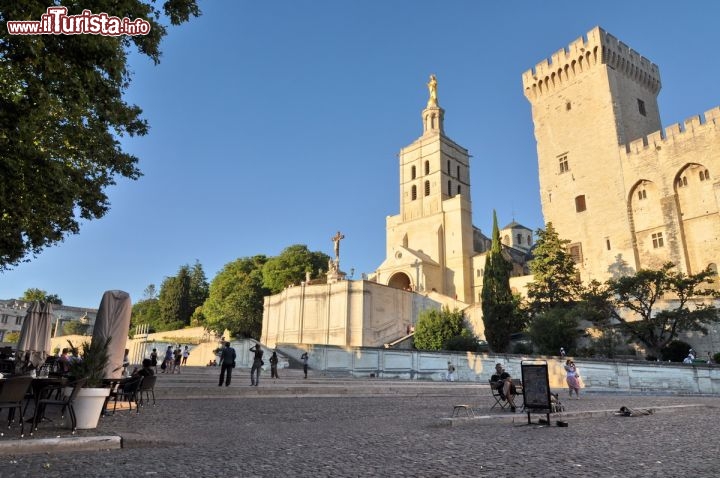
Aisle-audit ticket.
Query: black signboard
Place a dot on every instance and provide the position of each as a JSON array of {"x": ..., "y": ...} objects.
[{"x": 536, "y": 388}]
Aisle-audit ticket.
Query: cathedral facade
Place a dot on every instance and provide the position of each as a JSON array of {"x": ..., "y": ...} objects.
[{"x": 432, "y": 245}]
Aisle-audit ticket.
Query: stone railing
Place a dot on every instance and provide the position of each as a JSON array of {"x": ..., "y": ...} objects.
[{"x": 600, "y": 375}]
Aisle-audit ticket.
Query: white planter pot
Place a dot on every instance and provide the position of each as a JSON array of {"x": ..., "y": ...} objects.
[{"x": 88, "y": 406}]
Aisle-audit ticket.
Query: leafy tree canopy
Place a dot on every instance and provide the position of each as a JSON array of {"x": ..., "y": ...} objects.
[
  {"x": 685, "y": 307},
  {"x": 555, "y": 328},
  {"x": 236, "y": 298},
  {"x": 146, "y": 311},
  {"x": 180, "y": 296},
  {"x": 291, "y": 266},
  {"x": 441, "y": 330},
  {"x": 75, "y": 327},
  {"x": 556, "y": 280},
  {"x": 61, "y": 113},
  {"x": 34, "y": 294},
  {"x": 174, "y": 301},
  {"x": 12, "y": 337}
]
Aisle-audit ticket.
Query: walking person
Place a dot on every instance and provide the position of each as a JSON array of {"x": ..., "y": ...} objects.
[
  {"x": 273, "y": 365},
  {"x": 168, "y": 360},
  {"x": 154, "y": 360},
  {"x": 177, "y": 357},
  {"x": 304, "y": 358},
  {"x": 227, "y": 363},
  {"x": 185, "y": 355},
  {"x": 126, "y": 364},
  {"x": 257, "y": 363},
  {"x": 450, "y": 377},
  {"x": 572, "y": 378}
]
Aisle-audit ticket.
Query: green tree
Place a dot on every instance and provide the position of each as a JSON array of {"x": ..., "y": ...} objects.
[
  {"x": 75, "y": 327},
  {"x": 290, "y": 267},
  {"x": 199, "y": 287},
  {"x": 675, "y": 351},
  {"x": 146, "y": 311},
  {"x": 442, "y": 330},
  {"x": 12, "y": 337},
  {"x": 174, "y": 301},
  {"x": 150, "y": 292},
  {"x": 498, "y": 305},
  {"x": 236, "y": 298},
  {"x": 555, "y": 328},
  {"x": 33, "y": 294},
  {"x": 639, "y": 294},
  {"x": 595, "y": 306},
  {"x": 556, "y": 281},
  {"x": 62, "y": 113},
  {"x": 198, "y": 319}
]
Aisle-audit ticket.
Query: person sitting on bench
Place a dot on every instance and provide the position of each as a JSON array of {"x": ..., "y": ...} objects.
[{"x": 502, "y": 382}]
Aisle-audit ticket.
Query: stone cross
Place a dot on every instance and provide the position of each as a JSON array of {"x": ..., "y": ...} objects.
[{"x": 336, "y": 241}]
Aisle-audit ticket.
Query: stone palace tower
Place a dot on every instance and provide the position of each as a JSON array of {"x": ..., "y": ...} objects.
[{"x": 627, "y": 193}]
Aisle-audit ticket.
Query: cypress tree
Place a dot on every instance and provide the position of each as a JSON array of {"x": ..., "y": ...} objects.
[{"x": 498, "y": 306}]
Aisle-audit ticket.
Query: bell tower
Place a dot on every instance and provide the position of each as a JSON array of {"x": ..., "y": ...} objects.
[{"x": 430, "y": 242}]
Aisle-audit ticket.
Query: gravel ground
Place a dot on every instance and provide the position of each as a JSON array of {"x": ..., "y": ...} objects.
[{"x": 389, "y": 436}]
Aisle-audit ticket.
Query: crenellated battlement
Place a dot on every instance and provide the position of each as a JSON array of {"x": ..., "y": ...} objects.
[
  {"x": 597, "y": 47},
  {"x": 675, "y": 133}
]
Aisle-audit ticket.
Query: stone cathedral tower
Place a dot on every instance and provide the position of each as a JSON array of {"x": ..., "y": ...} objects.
[
  {"x": 430, "y": 243},
  {"x": 626, "y": 193}
]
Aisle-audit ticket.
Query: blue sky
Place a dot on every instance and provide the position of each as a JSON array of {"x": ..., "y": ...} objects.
[{"x": 277, "y": 123}]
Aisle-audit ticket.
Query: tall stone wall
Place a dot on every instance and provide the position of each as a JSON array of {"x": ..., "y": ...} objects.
[{"x": 347, "y": 313}]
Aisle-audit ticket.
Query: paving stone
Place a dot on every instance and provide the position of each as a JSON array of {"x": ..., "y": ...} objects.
[{"x": 353, "y": 434}]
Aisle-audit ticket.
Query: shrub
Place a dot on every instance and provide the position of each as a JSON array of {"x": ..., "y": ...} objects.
[
  {"x": 463, "y": 343},
  {"x": 523, "y": 348},
  {"x": 675, "y": 351},
  {"x": 554, "y": 328}
]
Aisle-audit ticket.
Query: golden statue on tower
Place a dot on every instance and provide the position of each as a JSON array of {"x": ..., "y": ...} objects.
[{"x": 432, "y": 88}]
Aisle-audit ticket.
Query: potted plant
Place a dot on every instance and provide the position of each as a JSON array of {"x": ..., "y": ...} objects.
[{"x": 90, "y": 364}]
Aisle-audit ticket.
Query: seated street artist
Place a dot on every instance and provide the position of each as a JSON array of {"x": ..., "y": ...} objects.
[{"x": 502, "y": 382}]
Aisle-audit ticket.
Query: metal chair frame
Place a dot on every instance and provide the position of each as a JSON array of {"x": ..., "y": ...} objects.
[
  {"x": 147, "y": 388},
  {"x": 65, "y": 402},
  {"x": 12, "y": 394},
  {"x": 128, "y": 390}
]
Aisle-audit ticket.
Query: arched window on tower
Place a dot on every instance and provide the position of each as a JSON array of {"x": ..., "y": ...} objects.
[
  {"x": 413, "y": 193},
  {"x": 449, "y": 188},
  {"x": 448, "y": 166},
  {"x": 427, "y": 188},
  {"x": 412, "y": 172},
  {"x": 519, "y": 239},
  {"x": 427, "y": 167},
  {"x": 458, "y": 172}
]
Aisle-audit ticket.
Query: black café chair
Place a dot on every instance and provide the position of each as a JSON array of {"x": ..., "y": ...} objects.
[
  {"x": 147, "y": 388},
  {"x": 66, "y": 402},
  {"x": 128, "y": 390},
  {"x": 12, "y": 394}
]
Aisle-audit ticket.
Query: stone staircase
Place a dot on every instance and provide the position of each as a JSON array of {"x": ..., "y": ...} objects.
[{"x": 201, "y": 382}]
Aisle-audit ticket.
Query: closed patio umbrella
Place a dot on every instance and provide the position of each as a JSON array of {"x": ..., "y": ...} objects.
[
  {"x": 113, "y": 320},
  {"x": 35, "y": 333}
]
